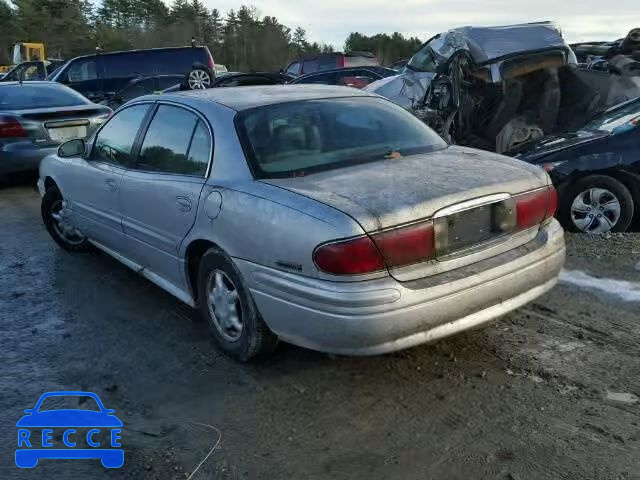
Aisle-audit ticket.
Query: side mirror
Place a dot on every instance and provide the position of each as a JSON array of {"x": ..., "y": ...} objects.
[
  {"x": 29, "y": 411},
  {"x": 72, "y": 148}
]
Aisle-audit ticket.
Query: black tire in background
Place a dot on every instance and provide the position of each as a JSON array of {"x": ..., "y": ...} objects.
[
  {"x": 597, "y": 181},
  {"x": 255, "y": 339},
  {"x": 51, "y": 202}
]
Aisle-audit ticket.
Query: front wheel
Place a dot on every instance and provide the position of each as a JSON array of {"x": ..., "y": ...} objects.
[
  {"x": 227, "y": 305},
  {"x": 57, "y": 222},
  {"x": 597, "y": 204}
]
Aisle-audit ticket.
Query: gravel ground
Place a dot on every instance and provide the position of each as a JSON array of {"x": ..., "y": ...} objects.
[{"x": 547, "y": 392}]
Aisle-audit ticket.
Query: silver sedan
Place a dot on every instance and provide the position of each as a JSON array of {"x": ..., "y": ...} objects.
[{"x": 326, "y": 217}]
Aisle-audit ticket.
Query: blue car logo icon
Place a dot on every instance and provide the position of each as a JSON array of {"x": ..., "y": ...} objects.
[{"x": 36, "y": 432}]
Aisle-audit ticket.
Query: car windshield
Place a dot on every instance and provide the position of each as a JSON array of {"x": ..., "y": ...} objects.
[
  {"x": 302, "y": 137},
  {"x": 69, "y": 402},
  {"x": 27, "y": 96},
  {"x": 615, "y": 117}
]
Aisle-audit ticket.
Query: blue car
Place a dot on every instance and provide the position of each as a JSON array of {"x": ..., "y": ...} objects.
[{"x": 30, "y": 448}]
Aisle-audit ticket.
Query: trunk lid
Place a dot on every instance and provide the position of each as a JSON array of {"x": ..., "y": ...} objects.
[
  {"x": 390, "y": 193},
  {"x": 393, "y": 192}
]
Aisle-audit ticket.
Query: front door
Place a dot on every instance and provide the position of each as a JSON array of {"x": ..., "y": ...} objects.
[
  {"x": 160, "y": 194},
  {"x": 94, "y": 189}
]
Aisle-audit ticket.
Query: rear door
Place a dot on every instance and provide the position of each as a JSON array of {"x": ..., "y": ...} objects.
[
  {"x": 93, "y": 184},
  {"x": 160, "y": 194}
]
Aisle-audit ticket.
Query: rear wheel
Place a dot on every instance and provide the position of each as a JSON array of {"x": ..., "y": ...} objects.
[
  {"x": 58, "y": 223},
  {"x": 229, "y": 309},
  {"x": 199, "y": 79},
  {"x": 597, "y": 204}
]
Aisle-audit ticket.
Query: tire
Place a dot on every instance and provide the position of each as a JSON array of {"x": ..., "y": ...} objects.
[
  {"x": 605, "y": 218},
  {"x": 254, "y": 339},
  {"x": 52, "y": 202}
]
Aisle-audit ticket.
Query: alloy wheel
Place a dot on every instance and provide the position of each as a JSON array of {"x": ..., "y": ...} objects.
[
  {"x": 596, "y": 210},
  {"x": 199, "y": 80}
]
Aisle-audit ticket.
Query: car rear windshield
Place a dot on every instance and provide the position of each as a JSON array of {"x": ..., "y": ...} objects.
[
  {"x": 28, "y": 96},
  {"x": 69, "y": 402},
  {"x": 615, "y": 117},
  {"x": 302, "y": 137}
]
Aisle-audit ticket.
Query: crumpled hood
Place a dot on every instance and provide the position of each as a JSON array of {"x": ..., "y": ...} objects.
[
  {"x": 407, "y": 89},
  {"x": 392, "y": 192}
]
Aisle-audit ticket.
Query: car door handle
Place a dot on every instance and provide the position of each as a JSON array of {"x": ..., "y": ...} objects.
[
  {"x": 184, "y": 204},
  {"x": 111, "y": 184}
]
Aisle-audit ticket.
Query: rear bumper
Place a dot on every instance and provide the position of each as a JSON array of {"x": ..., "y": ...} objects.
[
  {"x": 384, "y": 315},
  {"x": 15, "y": 159}
]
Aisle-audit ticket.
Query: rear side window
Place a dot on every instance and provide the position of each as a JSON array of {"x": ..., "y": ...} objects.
[
  {"x": 20, "y": 97},
  {"x": 176, "y": 61},
  {"x": 114, "y": 142},
  {"x": 82, "y": 71},
  {"x": 327, "y": 63},
  {"x": 130, "y": 65},
  {"x": 360, "y": 61},
  {"x": 165, "y": 148}
]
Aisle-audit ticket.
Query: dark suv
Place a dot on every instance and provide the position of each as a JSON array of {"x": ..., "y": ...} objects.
[
  {"x": 100, "y": 76},
  {"x": 328, "y": 61}
]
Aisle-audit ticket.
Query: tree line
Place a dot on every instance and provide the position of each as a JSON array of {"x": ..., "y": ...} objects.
[{"x": 242, "y": 39}]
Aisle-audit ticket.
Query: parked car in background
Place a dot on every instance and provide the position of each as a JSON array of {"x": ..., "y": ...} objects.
[
  {"x": 358, "y": 77},
  {"x": 36, "y": 117},
  {"x": 33, "y": 70},
  {"x": 143, "y": 86},
  {"x": 100, "y": 76},
  {"x": 595, "y": 169},
  {"x": 498, "y": 87},
  {"x": 324, "y": 216},
  {"x": 329, "y": 61},
  {"x": 234, "y": 79}
]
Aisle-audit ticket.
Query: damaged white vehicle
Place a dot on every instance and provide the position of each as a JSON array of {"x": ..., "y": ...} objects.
[{"x": 498, "y": 87}]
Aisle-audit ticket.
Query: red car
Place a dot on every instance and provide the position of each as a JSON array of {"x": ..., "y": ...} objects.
[{"x": 328, "y": 61}]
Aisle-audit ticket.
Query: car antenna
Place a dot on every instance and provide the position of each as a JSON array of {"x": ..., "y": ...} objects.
[{"x": 193, "y": 41}]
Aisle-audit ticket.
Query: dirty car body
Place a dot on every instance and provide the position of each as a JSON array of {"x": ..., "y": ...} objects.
[
  {"x": 354, "y": 227},
  {"x": 498, "y": 87}
]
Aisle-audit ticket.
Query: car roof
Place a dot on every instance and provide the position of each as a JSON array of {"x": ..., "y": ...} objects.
[
  {"x": 32, "y": 82},
  {"x": 140, "y": 50},
  {"x": 243, "y": 98}
]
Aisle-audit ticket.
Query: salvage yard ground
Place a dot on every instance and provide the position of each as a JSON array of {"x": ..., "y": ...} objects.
[{"x": 548, "y": 392}]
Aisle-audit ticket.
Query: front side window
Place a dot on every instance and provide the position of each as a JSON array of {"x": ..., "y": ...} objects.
[
  {"x": 166, "y": 146},
  {"x": 299, "y": 138},
  {"x": 294, "y": 69},
  {"x": 114, "y": 142},
  {"x": 310, "y": 66}
]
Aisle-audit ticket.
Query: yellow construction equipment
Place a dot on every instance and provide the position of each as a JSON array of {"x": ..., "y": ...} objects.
[{"x": 25, "y": 52}]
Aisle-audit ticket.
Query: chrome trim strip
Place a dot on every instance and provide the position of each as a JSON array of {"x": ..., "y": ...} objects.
[{"x": 469, "y": 204}]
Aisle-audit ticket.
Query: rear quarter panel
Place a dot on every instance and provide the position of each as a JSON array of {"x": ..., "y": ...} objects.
[{"x": 269, "y": 226}]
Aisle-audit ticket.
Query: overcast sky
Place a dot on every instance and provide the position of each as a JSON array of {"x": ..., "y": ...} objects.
[{"x": 330, "y": 21}]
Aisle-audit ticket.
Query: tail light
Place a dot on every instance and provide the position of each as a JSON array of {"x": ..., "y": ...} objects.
[
  {"x": 406, "y": 245},
  {"x": 211, "y": 63},
  {"x": 349, "y": 257},
  {"x": 391, "y": 248},
  {"x": 11, "y": 128},
  {"x": 533, "y": 208}
]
